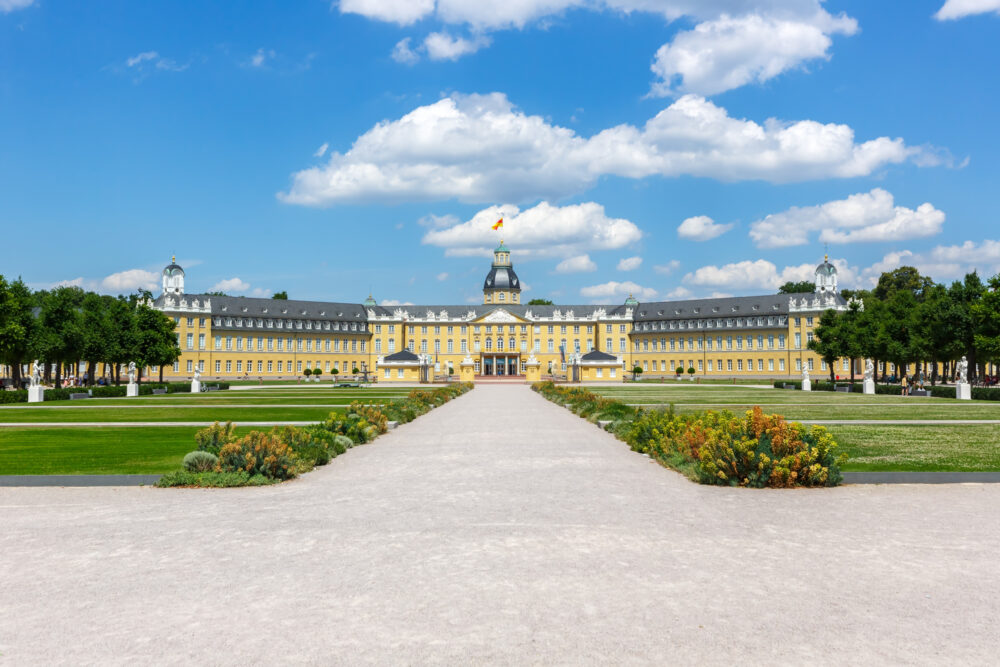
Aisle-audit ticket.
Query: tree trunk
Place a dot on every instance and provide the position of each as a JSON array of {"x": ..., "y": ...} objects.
[
  {"x": 852, "y": 371},
  {"x": 161, "y": 373},
  {"x": 16, "y": 373},
  {"x": 58, "y": 374}
]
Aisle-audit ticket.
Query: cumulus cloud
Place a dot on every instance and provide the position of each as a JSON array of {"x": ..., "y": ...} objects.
[
  {"x": 943, "y": 262},
  {"x": 131, "y": 280},
  {"x": 701, "y": 228},
  {"x": 541, "y": 231},
  {"x": 402, "y": 12},
  {"x": 668, "y": 268},
  {"x": 230, "y": 285},
  {"x": 396, "y": 302},
  {"x": 442, "y": 46},
  {"x": 957, "y": 9},
  {"x": 629, "y": 263},
  {"x": 10, "y": 5},
  {"x": 321, "y": 151},
  {"x": 733, "y": 51},
  {"x": 762, "y": 274},
  {"x": 402, "y": 53},
  {"x": 618, "y": 290},
  {"x": 862, "y": 217},
  {"x": 479, "y": 148},
  {"x": 578, "y": 264}
]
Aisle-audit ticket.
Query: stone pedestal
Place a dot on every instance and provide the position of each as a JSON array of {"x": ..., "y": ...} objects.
[
  {"x": 807, "y": 385},
  {"x": 869, "y": 386},
  {"x": 131, "y": 389},
  {"x": 467, "y": 370},
  {"x": 36, "y": 394},
  {"x": 533, "y": 370},
  {"x": 195, "y": 386},
  {"x": 963, "y": 391}
]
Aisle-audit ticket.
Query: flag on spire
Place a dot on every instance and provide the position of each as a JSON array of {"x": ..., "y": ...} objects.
[{"x": 498, "y": 224}]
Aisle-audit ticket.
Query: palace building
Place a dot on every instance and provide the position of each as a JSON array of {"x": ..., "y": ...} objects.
[{"x": 752, "y": 336}]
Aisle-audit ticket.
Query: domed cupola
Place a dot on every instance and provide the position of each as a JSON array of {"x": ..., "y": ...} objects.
[
  {"x": 826, "y": 277},
  {"x": 173, "y": 278},
  {"x": 501, "y": 284},
  {"x": 631, "y": 301},
  {"x": 370, "y": 302}
]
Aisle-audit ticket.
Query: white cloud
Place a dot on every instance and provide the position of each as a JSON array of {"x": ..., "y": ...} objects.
[
  {"x": 321, "y": 151},
  {"x": 541, "y": 231},
  {"x": 578, "y": 264},
  {"x": 479, "y": 148},
  {"x": 680, "y": 293},
  {"x": 131, "y": 280},
  {"x": 629, "y": 263},
  {"x": 668, "y": 268},
  {"x": 956, "y": 9},
  {"x": 733, "y": 51},
  {"x": 437, "y": 221},
  {"x": 403, "y": 12},
  {"x": 442, "y": 46},
  {"x": 10, "y": 5},
  {"x": 762, "y": 274},
  {"x": 261, "y": 292},
  {"x": 402, "y": 53},
  {"x": 230, "y": 285},
  {"x": 862, "y": 217},
  {"x": 141, "y": 62},
  {"x": 263, "y": 55},
  {"x": 701, "y": 228},
  {"x": 442, "y": 276},
  {"x": 618, "y": 290},
  {"x": 396, "y": 302},
  {"x": 941, "y": 263}
]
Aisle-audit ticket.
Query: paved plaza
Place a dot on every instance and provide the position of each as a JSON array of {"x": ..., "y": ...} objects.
[{"x": 499, "y": 528}]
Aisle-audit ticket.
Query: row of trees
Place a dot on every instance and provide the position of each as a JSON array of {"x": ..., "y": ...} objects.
[
  {"x": 910, "y": 319},
  {"x": 68, "y": 325}
]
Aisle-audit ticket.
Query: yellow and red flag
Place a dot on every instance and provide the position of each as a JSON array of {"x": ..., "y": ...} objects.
[{"x": 498, "y": 224}]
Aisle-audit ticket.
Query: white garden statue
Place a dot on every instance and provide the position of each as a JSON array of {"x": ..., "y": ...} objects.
[
  {"x": 962, "y": 368},
  {"x": 36, "y": 392},
  {"x": 36, "y": 374},
  {"x": 868, "y": 386},
  {"x": 869, "y": 369},
  {"x": 131, "y": 372}
]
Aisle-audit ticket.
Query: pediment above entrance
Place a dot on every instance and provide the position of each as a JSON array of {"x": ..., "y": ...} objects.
[{"x": 501, "y": 315}]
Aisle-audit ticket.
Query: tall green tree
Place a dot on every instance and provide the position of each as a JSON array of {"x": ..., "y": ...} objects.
[
  {"x": 986, "y": 317},
  {"x": 59, "y": 335},
  {"x": 155, "y": 340},
  {"x": 799, "y": 287},
  {"x": 828, "y": 340},
  {"x": 17, "y": 325},
  {"x": 281, "y": 296},
  {"x": 540, "y": 302}
]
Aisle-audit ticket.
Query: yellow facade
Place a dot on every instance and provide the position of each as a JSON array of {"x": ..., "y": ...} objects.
[{"x": 233, "y": 337}]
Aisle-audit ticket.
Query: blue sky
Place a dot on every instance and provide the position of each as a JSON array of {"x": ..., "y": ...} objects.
[{"x": 669, "y": 148}]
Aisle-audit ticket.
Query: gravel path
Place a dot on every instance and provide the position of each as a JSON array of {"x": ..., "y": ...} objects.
[{"x": 499, "y": 528}]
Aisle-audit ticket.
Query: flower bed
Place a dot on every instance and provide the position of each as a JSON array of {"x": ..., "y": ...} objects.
[
  {"x": 754, "y": 450},
  {"x": 284, "y": 452}
]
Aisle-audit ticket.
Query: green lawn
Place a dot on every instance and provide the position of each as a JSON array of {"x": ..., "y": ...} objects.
[
  {"x": 93, "y": 451},
  {"x": 165, "y": 414},
  {"x": 970, "y": 447}
]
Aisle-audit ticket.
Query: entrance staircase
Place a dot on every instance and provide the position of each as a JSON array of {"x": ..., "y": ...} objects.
[{"x": 500, "y": 379}]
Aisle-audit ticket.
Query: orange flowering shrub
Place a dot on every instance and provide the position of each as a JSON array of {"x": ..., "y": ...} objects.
[{"x": 258, "y": 454}]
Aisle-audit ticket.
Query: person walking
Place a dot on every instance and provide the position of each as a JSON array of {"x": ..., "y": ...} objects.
[{"x": 903, "y": 383}]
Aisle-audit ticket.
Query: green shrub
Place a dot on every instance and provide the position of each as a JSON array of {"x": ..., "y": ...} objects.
[
  {"x": 341, "y": 443},
  {"x": 212, "y": 439},
  {"x": 200, "y": 461},
  {"x": 15, "y": 396},
  {"x": 258, "y": 454},
  {"x": 212, "y": 479},
  {"x": 307, "y": 372}
]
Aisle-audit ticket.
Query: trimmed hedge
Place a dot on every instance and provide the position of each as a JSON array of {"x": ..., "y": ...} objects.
[
  {"x": 939, "y": 391},
  {"x": 752, "y": 450},
  {"x": 107, "y": 391}
]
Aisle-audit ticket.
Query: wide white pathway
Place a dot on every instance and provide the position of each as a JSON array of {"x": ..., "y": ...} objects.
[{"x": 501, "y": 529}]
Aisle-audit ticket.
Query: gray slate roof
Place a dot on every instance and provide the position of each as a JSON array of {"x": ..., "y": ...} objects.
[
  {"x": 733, "y": 306},
  {"x": 402, "y": 355},
  {"x": 597, "y": 355}
]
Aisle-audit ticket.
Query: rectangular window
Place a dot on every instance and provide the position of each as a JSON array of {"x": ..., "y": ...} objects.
[
  {"x": 621, "y": 345},
  {"x": 781, "y": 341},
  {"x": 354, "y": 346},
  {"x": 298, "y": 367},
  {"x": 464, "y": 346},
  {"x": 378, "y": 346},
  {"x": 229, "y": 342},
  {"x": 298, "y": 345},
  {"x": 700, "y": 366},
  {"x": 437, "y": 346},
  {"x": 190, "y": 341},
  {"x": 760, "y": 364},
  {"x": 770, "y": 364},
  {"x": 392, "y": 345},
  {"x": 229, "y": 366},
  {"x": 270, "y": 366},
  {"x": 798, "y": 364},
  {"x": 811, "y": 364},
  {"x": 552, "y": 345},
  {"x": 729, "y": 365},
  {"x": 709, "y": 365},
  {"x": 386, "y": 371},
  {"x": 739, "y": 364},
  {"x": 798, "y": 341},
  {"x": 846, "y": 364},
  {"x": 423, "y": 346},
  {"x": 280, "y": 365},
  {"x": 781, "y": 364},
  {"x": 326, "y": 347},
  {"x": 190, "y": 366},
  {"x": 218, "y": 366},
  {"x": 239, "y": 366},
  {"x": 451, "y": 345},
  {"x": 399, "y": 373}
]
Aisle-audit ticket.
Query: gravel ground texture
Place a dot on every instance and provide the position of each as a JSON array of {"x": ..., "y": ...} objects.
[{"x": 499, "y": 529}]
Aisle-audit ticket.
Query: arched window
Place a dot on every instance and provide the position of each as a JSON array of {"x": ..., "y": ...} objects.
[
  {"x": 489, "y": 344},
  {"x": 501, "y": 296},
  {"x": 499, "y": 343},
  {"x": 512, "y": 344}
]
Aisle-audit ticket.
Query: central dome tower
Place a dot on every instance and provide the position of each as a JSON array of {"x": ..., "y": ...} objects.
[{"x": 501, "y": 284}]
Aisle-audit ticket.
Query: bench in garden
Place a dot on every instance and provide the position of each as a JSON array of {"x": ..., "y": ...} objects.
[
  {"x": 919, "y": 392},
  {"x": 76, "y": 396},
  {"x": 846, "y": 389},
  {"x": 159, "y": 391},
  {"x": 212, "y": 387}
]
